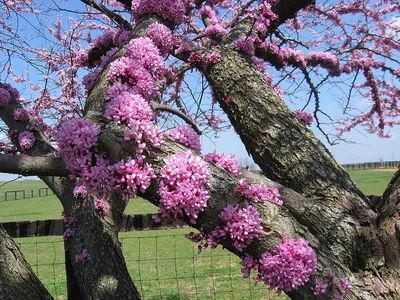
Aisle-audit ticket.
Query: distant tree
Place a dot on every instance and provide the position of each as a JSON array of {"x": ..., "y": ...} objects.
[{"x": 115, "y": 75}]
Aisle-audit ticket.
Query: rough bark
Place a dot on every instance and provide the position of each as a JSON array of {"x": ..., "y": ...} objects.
[
  {"x": 335, "y": 212},
  {"x": 17, "y": 279}
]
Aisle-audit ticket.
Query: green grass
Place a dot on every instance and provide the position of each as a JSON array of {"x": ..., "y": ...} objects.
[
  {"x": 372, "y": 182},
  {"x": 160, "y": 262}
]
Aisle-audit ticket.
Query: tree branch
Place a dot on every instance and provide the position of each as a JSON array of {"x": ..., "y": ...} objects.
[
  {"x": 113, "y": 16},
  {"x": 161, "y": 107},
  {"x": 33, "y": 165}
]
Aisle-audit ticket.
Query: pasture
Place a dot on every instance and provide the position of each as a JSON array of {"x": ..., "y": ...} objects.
[{"x": 163, "y": 263}]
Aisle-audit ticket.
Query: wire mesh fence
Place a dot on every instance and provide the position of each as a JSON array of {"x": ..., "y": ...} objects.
[{"x": 162, "y": 263}]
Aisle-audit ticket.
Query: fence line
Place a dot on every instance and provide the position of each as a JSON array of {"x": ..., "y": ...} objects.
[
  {"x": 26, "y": 194},
  {"x": 373, "y": 165},
  {"x": 56, "y": 227}
]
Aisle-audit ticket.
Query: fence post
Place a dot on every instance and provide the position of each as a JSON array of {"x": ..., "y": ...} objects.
[{"x": 73, "y": 289}]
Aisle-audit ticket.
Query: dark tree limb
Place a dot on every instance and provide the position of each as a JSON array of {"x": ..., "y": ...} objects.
[
  {"x": 33, "y": 165},
  {"x": 112, "y": 15}
]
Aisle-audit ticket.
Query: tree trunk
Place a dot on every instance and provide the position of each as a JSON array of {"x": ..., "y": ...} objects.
[
  {"x": 350, "y": 241},
  {"x": 17, "y": 279}
]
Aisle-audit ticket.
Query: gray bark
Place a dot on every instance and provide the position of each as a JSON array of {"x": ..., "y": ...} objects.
[{"x": 17, "y": 279}]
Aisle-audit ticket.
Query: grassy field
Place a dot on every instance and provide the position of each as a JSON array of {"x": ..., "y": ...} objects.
[
  {"x": 163, "y": 263},
  {"x": 372, "y": 182}
]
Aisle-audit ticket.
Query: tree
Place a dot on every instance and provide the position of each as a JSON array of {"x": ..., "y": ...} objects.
[{"x": 111, "y": 149}]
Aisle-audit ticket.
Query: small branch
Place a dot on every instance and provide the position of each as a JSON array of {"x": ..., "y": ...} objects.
[
  {"x": 33, "y": 165},
  {"x": 161, "y": 107},
  {"x": 113, "y": 16}
]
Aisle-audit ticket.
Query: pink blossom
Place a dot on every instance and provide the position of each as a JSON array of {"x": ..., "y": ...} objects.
[
  {"x": 21, "y": 114},
  {"x": 80, "y": 190},
  {"x": 75, "y": 139},
  {"x": 290, "y": 266},
  {"x": 147, "y": 54},
  {"x": 89, "y": 79},
  {"x": 127, "y": 106},
  {"x": 82, "y": 257},
  {"x": 305, "y": 116},
  {"x": 26, "y": 139},
  {"x": 195, "y": 58},
  {"x": 98, "y": 178},
  {"x": 4, "y": 97},
  {"x": 186, "y": 136},
  {"x": 213, "y": 58},
  {"x": 226, "y": 161},
  {"x": 129, "y": 71},
  {"x": 102, "y": 207},
  {"x": 173, "y": 10},
  {"x": 245, "y": 45},
  {"x": 182, "y": 188},
  {"x": 68, "y": 233},
  {"x": 133, "y": 175},
  {"x": 161, "y": 36},
  {"x": 13, "y": 91},
  {"x": 215, "y": 30},
  {"x": 258, "y": 192},
  {"x": 241, "y": 226},
  {"x": 320, "y": 287}
]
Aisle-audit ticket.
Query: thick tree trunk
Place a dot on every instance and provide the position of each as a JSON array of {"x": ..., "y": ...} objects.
[
  {"x": 17, "y": 279},
  {"x": 349, "y": 238}
]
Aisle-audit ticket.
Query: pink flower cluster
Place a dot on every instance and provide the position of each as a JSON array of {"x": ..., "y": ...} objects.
[
  {"x": 128, "y": 71},
  {"x": 226, "y": 161},
  {"x": 69, "y": 221},
  {"x": 162, "y": 37},
  {"x": 327, "y": 60},
  {"x": 215, "y": 28},
  {"x": 245, "y": 45},
  {"x": 195, "y": 58},
  {"x": 173, "y": 10},
  {"x": 128, "y": 106},
  {"x": 102, "y": 207},
  {"x": 89, "y": 79},
  {"x": 26, "y": 139},
  {"x": 305, "y": 116},
  {"x": 21, "y": 114},
  {"x": 147, "y": 54},
  {"x": 289, "y": 267},
  {"x": 286, "y": 55},
  {"x": 4, "y": 97},
  {"x": 75, "y": 139},
  {"x": 339, "y": 288},
  {"x": 259, "y": 192},
  {"x": 133, "y": 175},
  {"x": 213, "y": 58},
  {"x": 264, "y": 16},
  {"x": 82, "y": 257},
  {"x": 241, "y": 226},
  {"x": 182, "y": 189},
  {"x": 98, "y": 178},
  {"x": 13, "y": 91},
  {"x": 198, "y": 238},
  {"x": 186, "y": 136}
]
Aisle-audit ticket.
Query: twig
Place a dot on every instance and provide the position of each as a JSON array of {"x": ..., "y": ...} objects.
[{"x": 161, "y": 107}]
